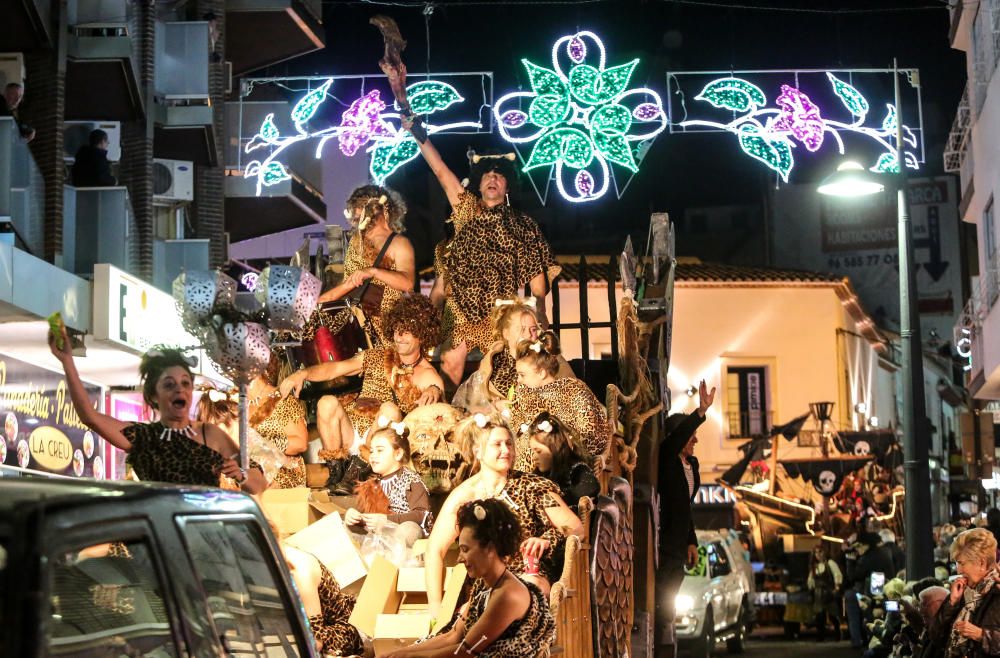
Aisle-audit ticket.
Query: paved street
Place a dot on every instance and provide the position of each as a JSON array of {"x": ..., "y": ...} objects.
[{"x": 774, "y": 645}]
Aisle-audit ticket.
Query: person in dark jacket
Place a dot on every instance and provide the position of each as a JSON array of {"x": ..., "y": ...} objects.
[
  {"x": 559, "y": 454},
  {"x": 678, "y": 480},
  {"x": 90, "y": 166},
  {"x": 968, "y": 622},
  {"x": 13, "y": 94},
  {"x": 874, "y": 557}
]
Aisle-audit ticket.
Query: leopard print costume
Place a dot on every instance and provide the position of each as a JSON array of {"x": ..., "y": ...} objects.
[
  {"x": 504, "y": 375},
  {"x": 330, "y": 627},
  {"x": 175, "y": 459},
  {"x": 272, "y": 429},
  {"x": 377, "y": 388},
  {"x": 573, "y": 403},
  {"x": 494, "y": 253},
  {"x": 397, "y": 489},
  {"x": 531, "y": 635},
  {"x": 528, "y": 496},
  {"x": 361, "y": 254}
]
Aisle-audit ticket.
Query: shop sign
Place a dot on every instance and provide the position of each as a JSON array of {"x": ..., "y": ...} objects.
[
  {"x": 41, "y": 429},
  {"x": 714, "y": 494}
]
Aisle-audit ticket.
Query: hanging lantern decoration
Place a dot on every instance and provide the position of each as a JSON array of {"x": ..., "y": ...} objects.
[
  {"x": 197, "y": 294},
  {"x": 240, "y": 350},
  {"x": 289, "y": 295}
]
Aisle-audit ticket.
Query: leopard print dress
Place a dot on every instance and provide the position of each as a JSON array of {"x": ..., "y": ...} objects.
[
  {"x": 331, "y": 628},
  {"x": 494, "y": 253},
  {"x": 160, "y": 455},
  {"x": 528, "y": 497},
  {"x": 570, "y": 400},
  {"x": 377, "y": 387},
  {"x": 531, "y": 635},
  {"x": 360, "y": 254},
  {"x": 272, "y": 428}
]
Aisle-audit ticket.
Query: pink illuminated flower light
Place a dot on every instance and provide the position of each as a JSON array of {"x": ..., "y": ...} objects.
[
  {"x": 800, "y": 116},
  {"x": 361, "y": 122}
]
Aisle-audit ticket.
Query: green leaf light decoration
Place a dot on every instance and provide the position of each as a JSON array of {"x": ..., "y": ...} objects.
[
  {"x": 733, "y": 94},
  {"x": 388, "y": 157},
  {"x": 273, "y": 173},
  {"x": 774, "y": 151},
  {"x": 430, "y": 96},
  {"x": 851, "y": 97},
  {"x": 306, "y": 108},
  {"x": 887, "y": 164},
  {"x": 581, "y": 117},
  {"x": 889, "y": 122}
]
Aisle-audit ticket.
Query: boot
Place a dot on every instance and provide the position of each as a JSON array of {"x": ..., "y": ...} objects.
[
  {"x": 356, "y": 470},
  {"x": 336, "y": 463}
]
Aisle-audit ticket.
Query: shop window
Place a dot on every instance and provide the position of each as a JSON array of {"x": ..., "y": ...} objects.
[
  {"x": 246, "y": 603},
  {"x": 107, "y": 598},
  {"x": 746, "y": 401}
]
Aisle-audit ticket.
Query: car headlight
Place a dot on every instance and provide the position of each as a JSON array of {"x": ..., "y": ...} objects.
[{"x": 683, "y": 604}]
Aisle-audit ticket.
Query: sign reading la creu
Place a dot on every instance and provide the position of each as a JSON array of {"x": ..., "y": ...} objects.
[{"x": 41, "y": 428}]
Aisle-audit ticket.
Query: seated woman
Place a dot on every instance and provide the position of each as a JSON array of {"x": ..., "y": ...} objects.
[
  {"x": 544, "y": 518},
  {"x": 508, "y": 617},
  {"x": 281, "y": 421},
  {"x": 404, "y": 496},
  {"x": 559, "y": 455},
  {"x": 968, "y": 622},
  {"x": 326, "y": 606},
  {"x": 512, "y": 321},
  {"x": 538, "y": 390}
]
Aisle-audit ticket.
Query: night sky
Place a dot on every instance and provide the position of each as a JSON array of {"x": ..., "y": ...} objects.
[{"x": 680, "y": 171}]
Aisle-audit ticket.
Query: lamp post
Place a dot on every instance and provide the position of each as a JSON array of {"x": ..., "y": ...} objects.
[{"x": 852, "y": 179}]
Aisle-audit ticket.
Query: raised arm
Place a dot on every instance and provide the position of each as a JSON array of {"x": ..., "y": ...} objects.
[
  {"x": 449, "y": 181},
  {"x": 106, "y": 426}
]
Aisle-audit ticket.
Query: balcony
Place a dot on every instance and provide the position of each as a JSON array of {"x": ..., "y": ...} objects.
[
  {"x": 101, "y": 79},
  {"x": 22, "y": 190},
  {"x": 171, "y": 257},
  {"x": 26, "y": 25},
  {"x": 292, "y": 28},
  {"x": 98, "y": 227},
  {"x": 748, "y": 424},
  {"x": 182, "y": 112}
]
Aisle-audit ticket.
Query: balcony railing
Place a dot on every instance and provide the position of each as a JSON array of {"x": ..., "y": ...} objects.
[
  {"x": 98, "y": 227},
  {"x": 985, "y": 50},
  {"x": 958, "y": 137},
  {"x": 22, "y": 189}
]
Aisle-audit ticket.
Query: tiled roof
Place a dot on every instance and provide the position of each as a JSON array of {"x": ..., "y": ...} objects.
[{"x": 691, "y": 270}]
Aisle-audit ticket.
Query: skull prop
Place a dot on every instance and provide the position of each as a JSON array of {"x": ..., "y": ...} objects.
[
  {"x": 826, "y": 483},
  {"x": 289, "y": 294},
  {"x": 435, "y": 455},
  {"x": 862, "y": 448}
]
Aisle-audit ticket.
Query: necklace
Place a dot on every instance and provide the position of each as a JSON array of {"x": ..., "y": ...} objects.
[
  {"x": 255, "y": 402},
  {"x": 168, "y": 432},
  {"x": 498, "y": 580}
]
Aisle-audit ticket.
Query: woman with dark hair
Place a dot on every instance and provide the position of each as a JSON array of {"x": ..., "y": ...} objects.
[
  {"x": 825, "y": 580},
  {"x": 545, "y": 519},
  {"x": 173, "y": 449},
  {"x": 507, "y": 617},
  {"x": 559, "y": 455},
  {"x": 377, "y": 215},
  {"x": 538, "y": 390}
]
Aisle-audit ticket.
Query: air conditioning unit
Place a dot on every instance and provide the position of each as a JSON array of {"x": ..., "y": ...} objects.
[
  {"x": 77, "y": 133},
  {"x": 11, "y": 69},
  {"x": 173, "y": 180}
]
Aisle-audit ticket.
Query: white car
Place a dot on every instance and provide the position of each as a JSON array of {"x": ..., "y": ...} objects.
[{"x": 715, "y": 600}]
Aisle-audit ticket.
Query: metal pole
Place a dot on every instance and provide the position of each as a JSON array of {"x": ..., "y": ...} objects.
[
  {"x": 244, "y": 455},
  {"x": 919, "y": 544}
]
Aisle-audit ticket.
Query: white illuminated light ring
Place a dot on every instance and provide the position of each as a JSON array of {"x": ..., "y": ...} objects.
[
  {"x": 566, "y": 40},
  {"x": 662, "y": 115},
  {"x": 497, "y": 113},
  {"x": 596, "y": 194}
]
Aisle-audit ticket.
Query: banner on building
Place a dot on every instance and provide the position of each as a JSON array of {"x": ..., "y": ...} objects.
[{"x": 41, "y": 429}]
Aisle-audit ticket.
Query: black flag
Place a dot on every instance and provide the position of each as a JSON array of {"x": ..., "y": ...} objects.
[{"x": 825, "y": 475}]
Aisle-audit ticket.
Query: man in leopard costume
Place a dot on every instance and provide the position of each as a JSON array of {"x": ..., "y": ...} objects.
[
  {"x": 397, "y": 374},
  {"x": 496, "y": 251}
]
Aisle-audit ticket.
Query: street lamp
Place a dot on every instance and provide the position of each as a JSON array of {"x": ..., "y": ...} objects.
[{"x": 851, "y": 179}]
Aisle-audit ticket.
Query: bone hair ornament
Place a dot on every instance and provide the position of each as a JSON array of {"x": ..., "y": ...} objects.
[
  {"x": 399, "y": 428},
  {"x": 545, "y": 426},
  {"x": 480, "y": 512},
  {"x": 530, "y": 301},
  {"x": 481, "y": 420},
  {"x": 537, "y": 347}
]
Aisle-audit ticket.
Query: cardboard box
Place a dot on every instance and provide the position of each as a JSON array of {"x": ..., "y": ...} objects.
[
  {"x": 329, "y": 540},
  {"x": 378, "y": 596},
  {"x": 385, "y": 646},
  {"x": 410, "y": 627}
]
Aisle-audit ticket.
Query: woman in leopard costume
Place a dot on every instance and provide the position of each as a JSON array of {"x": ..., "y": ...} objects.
[
  {"x": 377, "y": 214},
  {"x": 280, "y": 421},
  {"x": 173, "y": 449},
  {"x": 544, "y": 519},
  {"x": 571, "y": 400},
  {"x": 507, "y": 617},
  {"x": 327, "y": 607}
]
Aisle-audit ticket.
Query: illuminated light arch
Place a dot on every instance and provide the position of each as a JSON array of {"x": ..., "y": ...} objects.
[
  {"x": 581, "y": 119},
  {"x": 368, "y": 123},
  {"x": 770, "y": 133}
]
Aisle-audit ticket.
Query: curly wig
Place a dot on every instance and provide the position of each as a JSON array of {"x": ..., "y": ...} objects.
[
  {"x": 492, "y": 523},
  {"x": 155, "y": 362},
  {"x": 416, "y": 314},
  {"x": 367, "y": 198},
  {"x": 217, "y": 412}
]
